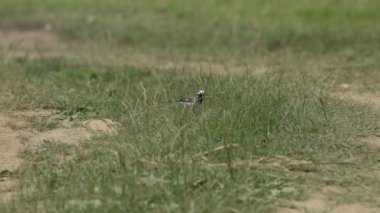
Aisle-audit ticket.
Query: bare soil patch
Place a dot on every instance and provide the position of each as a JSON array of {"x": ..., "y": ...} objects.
[
  {"x": 129, "y": 57},
  {"x": 321, "y": 202},
  {"x": 217, "y": 68},
  {"x": 371, "y": 99},
  {"x": 30, "y": 39},
  {"x": 373, "y": 141},
  {"x": 30, "y": 43},
  {"x": 17, "y": 133}
]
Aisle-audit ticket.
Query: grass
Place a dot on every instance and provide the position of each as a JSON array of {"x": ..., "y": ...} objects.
[
  {"x": 256, "y": 142},
  {"x": 334, "y": 38},
  {"x": 237, "y": 28},
  {"x": 150, "y": 164}
]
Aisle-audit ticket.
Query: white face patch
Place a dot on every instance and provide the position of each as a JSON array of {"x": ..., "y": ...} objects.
[{"x": 201, "y": 91}]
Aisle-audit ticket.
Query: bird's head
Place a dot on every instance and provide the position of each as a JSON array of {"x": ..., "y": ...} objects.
[{"x": 201, "y": 94}]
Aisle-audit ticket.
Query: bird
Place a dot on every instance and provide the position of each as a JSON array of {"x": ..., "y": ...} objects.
[{"x": 193, "y": 101}]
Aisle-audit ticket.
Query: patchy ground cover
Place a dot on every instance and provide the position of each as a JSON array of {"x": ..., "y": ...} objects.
[
  {"x": 88, "y": 119},
  {"x": 24, "y": 130}
]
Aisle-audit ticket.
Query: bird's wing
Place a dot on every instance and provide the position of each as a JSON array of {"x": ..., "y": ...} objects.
[{"x": 186, "y": 100}]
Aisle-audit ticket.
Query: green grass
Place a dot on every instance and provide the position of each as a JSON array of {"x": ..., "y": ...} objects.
[
  {"x": 331, "y": 38},
  {"x": 210, "y": 27},
  {"x": 147, "y": 166},
  {"x": 153, "y": 163}
]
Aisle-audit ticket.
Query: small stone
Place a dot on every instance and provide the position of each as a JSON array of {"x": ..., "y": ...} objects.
[
  {"x": 100, "y": 125},
  {"x": 344, "y": 86}
]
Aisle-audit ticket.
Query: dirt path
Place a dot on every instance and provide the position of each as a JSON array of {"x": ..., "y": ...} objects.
[
  {"x": 32, "y": 44},
  {"x": 17, "y": 132},
  {"x": 367, "y": 98}
]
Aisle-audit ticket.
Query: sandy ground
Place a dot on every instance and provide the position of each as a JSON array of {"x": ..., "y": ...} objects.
[
  {"x": 17, "y": 133},
  {"x": 321, "y": 202}
]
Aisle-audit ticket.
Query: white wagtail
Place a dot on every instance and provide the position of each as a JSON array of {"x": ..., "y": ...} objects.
[{"x": 192, "y": 101}]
